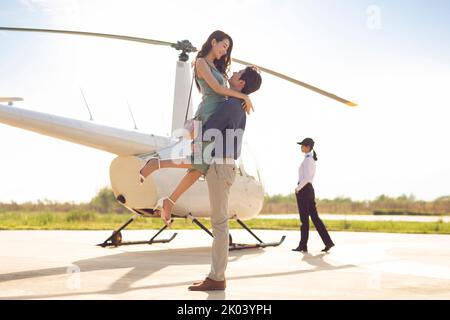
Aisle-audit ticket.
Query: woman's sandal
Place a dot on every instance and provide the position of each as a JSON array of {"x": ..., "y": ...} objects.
[
  {"x": 159, "y": 207},
  {"x": 141, "y": 177}
]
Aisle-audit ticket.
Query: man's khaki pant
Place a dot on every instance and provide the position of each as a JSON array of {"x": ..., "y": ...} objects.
[{"x": 220, "y": 178}]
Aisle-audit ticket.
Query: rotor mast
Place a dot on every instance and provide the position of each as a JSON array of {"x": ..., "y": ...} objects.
[{"x": 182, "y": 102}]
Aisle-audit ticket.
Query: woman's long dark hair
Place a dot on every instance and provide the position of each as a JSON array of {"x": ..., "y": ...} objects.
[
  {"x": 222, "y": 64},
  {"x": 314, "y": 155}
]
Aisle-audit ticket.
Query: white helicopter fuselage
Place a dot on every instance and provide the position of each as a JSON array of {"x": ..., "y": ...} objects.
[{"x": 245, "y": 201}]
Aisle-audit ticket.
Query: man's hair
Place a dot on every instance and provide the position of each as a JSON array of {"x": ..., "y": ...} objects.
[{"x": 252, "y": 80}]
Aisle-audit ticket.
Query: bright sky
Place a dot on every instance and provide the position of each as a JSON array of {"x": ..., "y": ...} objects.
[{"x": 390, "y": 57}]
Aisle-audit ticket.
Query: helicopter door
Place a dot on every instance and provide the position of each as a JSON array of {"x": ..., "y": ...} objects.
[{"x": 249, "y": 173}]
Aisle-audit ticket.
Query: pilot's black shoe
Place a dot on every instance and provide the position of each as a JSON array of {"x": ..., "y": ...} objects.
[
  {"x": 328, "y": 247},
  {"x": 300, "y": 249}
]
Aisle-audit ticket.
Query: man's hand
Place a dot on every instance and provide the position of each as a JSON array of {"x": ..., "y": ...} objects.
[{"x": 247, "y": 105}]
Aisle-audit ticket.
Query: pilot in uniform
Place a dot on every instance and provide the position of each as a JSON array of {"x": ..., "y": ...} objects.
[{"x": 306, "y": 199}]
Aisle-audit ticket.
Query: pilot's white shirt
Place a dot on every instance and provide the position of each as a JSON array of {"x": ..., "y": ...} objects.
[{"x": 306, "y": 171}]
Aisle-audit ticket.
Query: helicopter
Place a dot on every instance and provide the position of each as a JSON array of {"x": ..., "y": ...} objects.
[{"x": 134, "y": 148}]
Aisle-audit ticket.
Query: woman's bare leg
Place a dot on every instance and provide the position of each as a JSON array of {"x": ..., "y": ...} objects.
[
  {"x": 152, "y": 165},
  {"x": 188, "y": 180}
]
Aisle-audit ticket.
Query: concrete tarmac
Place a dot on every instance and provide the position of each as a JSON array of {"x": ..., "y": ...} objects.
[{"x": 68, "y": 265}]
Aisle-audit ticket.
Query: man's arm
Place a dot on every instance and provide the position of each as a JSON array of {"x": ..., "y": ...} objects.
[{"x": 227, "y": 113}]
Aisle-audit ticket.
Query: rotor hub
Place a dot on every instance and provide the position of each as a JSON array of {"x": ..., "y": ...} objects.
[{"x": 185, "y": 47}]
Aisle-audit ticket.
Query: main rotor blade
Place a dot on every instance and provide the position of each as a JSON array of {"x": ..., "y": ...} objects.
[
  {"x": 179, "y": 46},
  {"x": 92, "y": 34},
  {"x": 300, "y": 83},
  {"x": 10, "y": 99}
]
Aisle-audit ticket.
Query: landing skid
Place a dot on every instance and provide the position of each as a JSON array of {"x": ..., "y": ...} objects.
[
  {"x": 241, "y": 246},
  {"x": 115, "y": 240}
]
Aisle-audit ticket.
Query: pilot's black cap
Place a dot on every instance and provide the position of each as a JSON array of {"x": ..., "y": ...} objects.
[{"x": 307, "y": 142}]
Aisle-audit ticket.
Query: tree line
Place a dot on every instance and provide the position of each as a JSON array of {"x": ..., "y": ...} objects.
[{"x": 105, "y": 202}]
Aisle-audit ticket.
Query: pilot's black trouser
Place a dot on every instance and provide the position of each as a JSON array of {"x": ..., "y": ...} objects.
[{"x": 307, "y": 208}]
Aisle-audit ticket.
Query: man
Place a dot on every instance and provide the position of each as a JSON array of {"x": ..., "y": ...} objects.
[{"x": 229, "y": 122}]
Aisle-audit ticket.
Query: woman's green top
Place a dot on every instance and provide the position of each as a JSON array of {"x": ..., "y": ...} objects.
[{"x": 209, "y": 104}]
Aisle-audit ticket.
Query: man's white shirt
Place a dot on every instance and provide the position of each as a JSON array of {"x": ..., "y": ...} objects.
[{"x": 306, "y": 171}]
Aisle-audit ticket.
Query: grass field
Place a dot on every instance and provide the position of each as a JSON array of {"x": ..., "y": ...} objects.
[{"x": 80, "y": 220}]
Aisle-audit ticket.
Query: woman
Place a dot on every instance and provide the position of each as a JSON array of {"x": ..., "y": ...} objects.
[
  {"x": 306, "y": 198},
  {"x": 211, "y": 66}
]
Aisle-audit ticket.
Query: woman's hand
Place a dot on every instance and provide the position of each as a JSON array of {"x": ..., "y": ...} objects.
[{"x": 247, "y": 105}]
